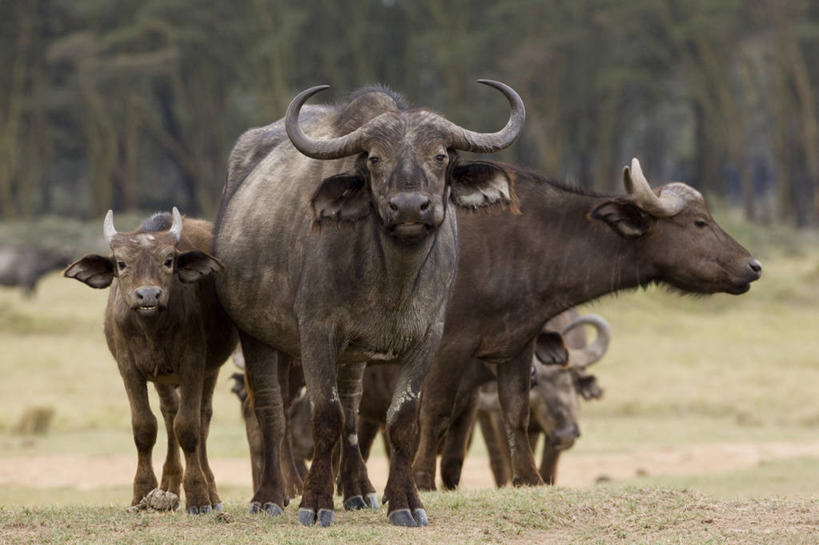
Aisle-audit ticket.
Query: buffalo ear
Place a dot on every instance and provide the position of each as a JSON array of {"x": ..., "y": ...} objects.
[
  {"x": 95, "y": 270},
  {"x": 195, "y": 265},
  {"x": 343, "y": 197},
  {"x": 550, "y": 349},
  {"x": 587, "y": 387},
  {"x": 624, "y": 217},
  {"x": 478, "y": 184}
]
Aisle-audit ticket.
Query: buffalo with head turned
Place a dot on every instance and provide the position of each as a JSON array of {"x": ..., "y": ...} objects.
[
  {"x": 576, "y": 246},
  {"x": 341, "y": 247},
  {"x": 164, "y": 324},
  {"x": 24, "y": 266}
]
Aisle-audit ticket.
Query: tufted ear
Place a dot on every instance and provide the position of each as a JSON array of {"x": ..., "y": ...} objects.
[
  {"x": 195, "y": 265},
  {"x": 624, "y": 217},
  {"x": 478, "y": 184},
  {"x": 587, "y": 386},
  {"x": 95, "y": 270},
  {"x": 343, "y": 197},
  {"x": 550, "y": 349}
]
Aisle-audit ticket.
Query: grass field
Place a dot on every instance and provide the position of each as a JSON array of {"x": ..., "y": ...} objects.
[{"x": 708, "y": 431}]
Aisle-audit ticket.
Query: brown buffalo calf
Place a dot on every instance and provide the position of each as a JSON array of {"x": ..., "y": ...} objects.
[{"x": 164, "y": 324}]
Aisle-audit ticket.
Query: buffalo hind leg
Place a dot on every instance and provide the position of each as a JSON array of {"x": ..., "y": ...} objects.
[
  {"x": 456, "y": 443},
  {"x": 261, "y": 368},
  {"x": 172, "y": 469},
  {"x": 496, "y": 447},
  {"x": 356, "y": 488},
  {"x": 367, "y": 430},
  {"x": 293, "y": 481},
  {"x": 548, "y": 464},
  {"x": 319, "y": 355},
  {"x": 144, "y": 427},
  {"x": 513, "y": 392}
]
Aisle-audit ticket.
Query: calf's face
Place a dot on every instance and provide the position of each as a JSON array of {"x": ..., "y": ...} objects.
[{"x": 146, "y": 266}]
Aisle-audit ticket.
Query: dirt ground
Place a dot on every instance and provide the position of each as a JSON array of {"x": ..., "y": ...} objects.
[{"x": 87, "y": 472}]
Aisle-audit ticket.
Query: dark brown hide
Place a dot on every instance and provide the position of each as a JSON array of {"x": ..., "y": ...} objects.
[
  {"x": 565, "y": 248},
  {"x": 164, "y": 324}
]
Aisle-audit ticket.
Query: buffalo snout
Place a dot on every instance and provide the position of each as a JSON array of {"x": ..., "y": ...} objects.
[
  {"x": 564, "y": 438},
  {"x": 756, "y": 267},
  {"x": 410, "y": 215},
  {"x": 147, "y": 299}
]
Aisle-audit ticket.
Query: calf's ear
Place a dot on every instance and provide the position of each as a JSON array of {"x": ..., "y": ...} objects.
[
  {"x": 95, "y": 270},
  {"x": 624, "y": 217},
  {"x": 550, "y": 349},
  {"x": 478, "y": 184},
  {"x": 343, "y": 197},
  {"x": 195, "y": 265}
]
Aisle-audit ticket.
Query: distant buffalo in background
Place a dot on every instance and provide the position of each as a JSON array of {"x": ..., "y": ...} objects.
[{"x": 25, "y": 265}]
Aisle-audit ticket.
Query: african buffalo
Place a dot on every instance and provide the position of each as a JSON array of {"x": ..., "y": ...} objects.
[
  {"x": 164, "y": 324},
  {"x": 341, "y": 247},
  {"x": 24, "y": 266},
  {"x": 567, "y": 247}
]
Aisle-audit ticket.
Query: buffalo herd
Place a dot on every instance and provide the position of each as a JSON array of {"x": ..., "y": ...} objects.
[{"x": 379, "y": 281}]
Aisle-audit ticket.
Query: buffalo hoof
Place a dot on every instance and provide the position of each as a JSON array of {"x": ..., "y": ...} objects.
[
  {"x": 286, "y": 501},
  {"x": 420, "y": 517},
  {"x": 402, "y": 517},
  {"x": 372, "y": 500},
  {"x": 192, "y": 510},
  {"x": 205, "y": 509},
  {"x": 272, "y": 509},
  {"x": 307, "y": 517},
  {"x": 217, "y": 508},
  {"x": 255, "y": 507},
  {"x": 325, "y": 517},
  {"x": 355, "y": 503}
]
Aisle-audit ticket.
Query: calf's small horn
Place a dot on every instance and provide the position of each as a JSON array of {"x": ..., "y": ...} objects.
[
  {"x": 583, "y": 357},
  {"x": 176, "y": 227},
  {"x": 108, "y": 229},
  {"x": 668, "y": 204}
]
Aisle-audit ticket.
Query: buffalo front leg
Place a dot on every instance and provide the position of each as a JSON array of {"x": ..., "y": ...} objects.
[
  {"x": 456, "y": 443},
  {"x": 319, "y": 356},
  {"x": 356, "y": 488},
  {"x": 548, "y": 464},
  {"x": 188, "y": 428},
  {"x": 367, "y": 430},
  {"x": 513, "y": 393},
  {"x": 496, "y": 447},
  {"x": 261, "y": 368},
  {"x": 406, "y": 508},
  {"x": 172, "y": 469},
  {"x": 207, "y": 413},
  {"x": 143, "y": 423}
]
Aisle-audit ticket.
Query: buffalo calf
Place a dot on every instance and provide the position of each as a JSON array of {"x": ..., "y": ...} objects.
[{"x": 164, "y": 324}]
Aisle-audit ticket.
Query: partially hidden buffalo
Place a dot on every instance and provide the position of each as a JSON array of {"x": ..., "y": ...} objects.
[
  {"x": 164, "y": 324},
  {"x": 341, "y": 247},
  {"x": 560, "y": 365},
  {"x": 24, "y": 265},
  {"x": 566, "y": 247}
]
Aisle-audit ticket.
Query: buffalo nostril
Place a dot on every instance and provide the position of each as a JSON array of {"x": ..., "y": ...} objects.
[
  {"x": 393, "y": 206},
  {"x": 425, "y": 205},
  {"x": 755, "y": 266}
]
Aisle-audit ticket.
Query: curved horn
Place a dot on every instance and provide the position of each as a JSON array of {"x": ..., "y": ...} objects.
[
  {"x": 478, "y": 142},
  {"x": 665, "y": 206},
  {"x": 176, "y": 226},
  {"x": 108, "y": 229},
  {"x": 238, "y": 358},
  {"x": 332, "y": 148},
  {"x": 583, "y": 357}
]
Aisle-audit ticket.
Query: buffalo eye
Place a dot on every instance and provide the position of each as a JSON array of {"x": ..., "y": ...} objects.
[
  {"x": 374, "y": 159},
  {"x": 121, "y": 265},
  {"x": 700, "y": 223},
  {"x": 169, "y": 262},
  {"x": 440, "y": 158}
]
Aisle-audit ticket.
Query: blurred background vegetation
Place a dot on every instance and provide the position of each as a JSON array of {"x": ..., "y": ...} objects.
[{"x": 135, "y": 104}]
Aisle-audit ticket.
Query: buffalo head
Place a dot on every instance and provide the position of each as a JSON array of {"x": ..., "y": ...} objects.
[
  {"x": 145, "y": 264},
  {"x": 562, "y": 380},
  {"x": 689, "y": 250},
  {"x": 404, "y": 167}
]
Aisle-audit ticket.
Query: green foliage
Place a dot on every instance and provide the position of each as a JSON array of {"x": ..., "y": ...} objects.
[{"x": 133, "y": 105}]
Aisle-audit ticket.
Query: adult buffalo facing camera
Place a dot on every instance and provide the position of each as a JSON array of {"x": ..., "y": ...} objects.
[
  {"x": 164, "y": 324},
  {"x": 341, "y": 247}
]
